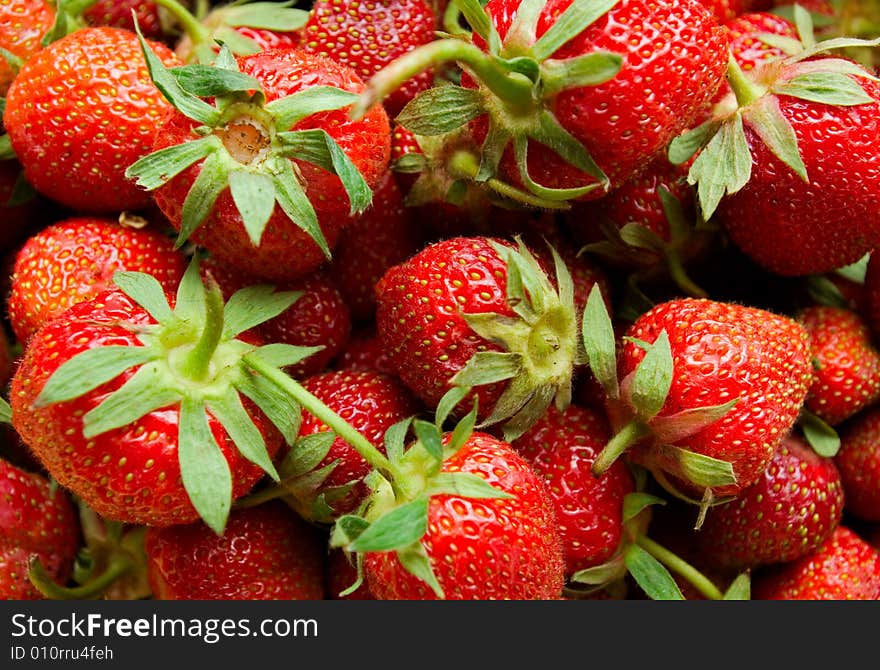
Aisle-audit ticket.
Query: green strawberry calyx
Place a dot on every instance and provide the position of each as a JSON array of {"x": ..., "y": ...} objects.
[
  {"x": 247, "y": 146},
  {"x": 193, "y": 359},
  {"x": 517, "y": 81},
  {"x": 723, "y": 163},
  {"x": 395, "y": 515},
  {"x": 637, "y": 401},
  {"x": 541, "y": 347}
]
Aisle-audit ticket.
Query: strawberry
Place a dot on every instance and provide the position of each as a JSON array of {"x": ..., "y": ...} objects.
[
  {"x": 594, "y": 120},
  {"x": 561, "y": 448},
  {"x": 137, "y": 408},
  {"x": 332, "y": 483},
  {"x": 775, "y": 159},
  {"x": 844, "y": 567},
  {"x": 36, "y": 519},
  {"x": 708, "y": 390},
  {"x": 118, "y": 14},
  {"x": 22, "y": 26},
  {"x": 80, "y": 112},
  {"x": 859, "y": 463},
  {"x": 846, "y": 364},
  {"x": 341, "y": 573},
  {"x": 379, "y": 238},
  {"x": 726, "y": 10},
  {"x": 319, "y": 318},
  {"x": 368, "y": 36},
  {"x": 454, "y": 314},
  {"x": 745, "y": 34},
  {"x": 275, "y": 169},
  {"x": 266, "y": 553},
  {"x": 74, "y": 260},
  {"x": 476, "y": 548},
  {"x": 364, "y": 351},
  {"x": 792, "y": 509}
]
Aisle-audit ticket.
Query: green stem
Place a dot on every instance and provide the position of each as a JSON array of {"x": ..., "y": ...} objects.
[
  {"x": 680, "y": 276},
  {"x": 746, "y": 90},
  {"x": 678, "y": 565},
  {"x": 465, "y": 164},
  {"x": 623, "y": 440},
  {"x": 198, "y": 361},
  {"x": 194, "y": 29},
  {"x": 336, "y": 423},
  {"x": 119, "y": 565},
  {"x": 512, "y": 88},
  {"x": 452, "y": 20}
]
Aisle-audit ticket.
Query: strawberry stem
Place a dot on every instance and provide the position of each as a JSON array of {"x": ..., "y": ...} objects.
[
  {"x": 193, "y": 28},
  {"x": 511, "y": 87},
  {"x": 746, "y": 90},
  {"x": 327, "y": 416},
  {"x": 623, "y": 440},
  {"x": 680, "y": 276},
  {"x": 119, "y": 565},
  {"x": 675, "y": 563},
  {"x": 198, "y": 362}
]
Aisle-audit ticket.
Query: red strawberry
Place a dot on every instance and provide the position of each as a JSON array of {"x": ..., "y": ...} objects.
[
  {"x": 311, "y": 204},
  {"x": 725, "y": 10},
  {"x": 791, "y": 510},
  {"x": 74, "y": 260},
  {"x": 364, "y": 351},
  {"x": 340, "y": 574},
  {"x": 368, "y": 36},
  {"x": 846, "y": 376},
  {"x": 482, "y": 549},
  {"x": 775, "y": 162},
  {"x": 859, "y": 463},
  {"x": 383, "y": 236},
  {"x": 318, "y": 318},
  {"x": 118, "y": 14},
  {"x": 561, "y": 447},
  {"x": 448, "y": 317},
  {"x": 35, "y": 519},
  {"x": 266, "y": 553},
  {"x": 723, "y": 385},
  {"x": 80, "y": 112},
  {"x": 152, "y": 415},
  {"x": 371, "y": 403},
  {"x": 746, "y": 45},
  {"x": 22, "y": 26},
  {"x": 844, "y": 567}
]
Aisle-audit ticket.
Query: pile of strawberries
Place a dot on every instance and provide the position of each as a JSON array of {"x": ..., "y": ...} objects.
[{"x": 408, "y": 299}]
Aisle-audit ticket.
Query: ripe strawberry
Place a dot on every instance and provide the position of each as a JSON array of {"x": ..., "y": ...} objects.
[
  {"x": 721, "y": 387},
  {"x": 80, "y": 112},
  {"x": 368, "y": 36},
  {"x": 726, "y": 10},
  {"x": 22, "y": 26},
  {"x": 364, "y": 351},
  {"x": 118, "y": 14},
  {"x": 318, "y": 318},
  {"x": 744, "y": 33},
  {"x": 792, "y": 509},
  {"x": 382, "y": 236},
  {"x": 844, "y": 567},
  {"x": 846, "y": 365},
  {"x": 859, "y": 463},
  {"x": 561, "y": 448},
  {"x": 75, "y": 259},
  {"x": 368, "y": 401},
  {"x": 266, "y": 553},
  {"x": 136, "y": 407},
  {"x": 454, "y": 314},
  {"x": 775, "y": 160},
  {"x": 265, "y": 169},
  {"x": 480, "y": 548},
  {"x": 35, "y": 519}
]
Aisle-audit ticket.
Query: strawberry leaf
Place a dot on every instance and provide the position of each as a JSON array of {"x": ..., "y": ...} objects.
[
  {"x": 254, "y": 197},
  {"x": 203, "y": 467},
  {"x": 724, "y": 166},
  {"x": 700, "y": 469},
  {"x": 296, "y": 204},
  {"x": 307, "y": 453},
  {"x": 821, "y": 437},
  {"x": 291, "y": 109},
  {"x": 205, "y": 81},
  {"x": 396, "y": 529},
  {"x": 189, "y": 304},
  {"x": 653, "y": 379},
  {"x": 740, "y": 588},
  {"x": 275, "y": 16},
  {"x": 414, "y": 559},
  {"x": 346, "y": 530},
  {"x": 682, "y": 148},
  {"x": 829, "y": 88},
  {"x": 250, "y": 306},
  {"x": 479, "y": 21},
  {"x": 160, "y": 167},
  {"x": 440, "y": 110},
  {"x": 88, "y": 370},
  {"x": 230, "y": 412},
  {"x": 430, "y": 438},
  {"x": 449, "y": 402},
  {"x": 588, "y": 70},
  {"x": 234, "y": 41},
  {"x": 143, "y": 393},
  {"x": 146, "y": 291},
  {"x": 283, "y": 355},
  {"x": 635, "y": 503},
  {"x": 206, "y": 188},
  {"x": 651, "y": 575},
  {"x": 5, "y": 411},
  {"x": 395, "y": 439},
  {"x": 573, "y": 21},
  {"x": 678, "y": 426},
  {"x": 284, "y": 414},
  {"x": 461, "y": 433},
  {"x": 488, "y": 367},
  {"x": 599, "y": 342},
  {"x": 465, "y": 485}
]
